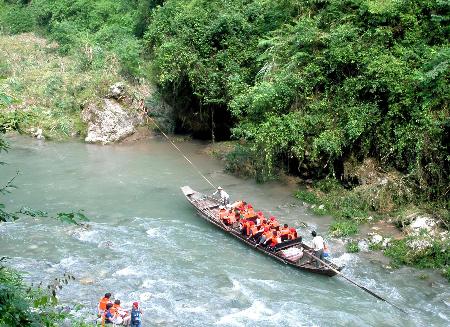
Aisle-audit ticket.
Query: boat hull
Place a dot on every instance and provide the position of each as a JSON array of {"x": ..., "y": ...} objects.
[{"x": 208, "y": 208}]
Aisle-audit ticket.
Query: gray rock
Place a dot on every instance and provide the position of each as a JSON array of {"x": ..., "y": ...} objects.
[
  {"x": 363, "y": 246},
  {"x": 110, "y": 123}
]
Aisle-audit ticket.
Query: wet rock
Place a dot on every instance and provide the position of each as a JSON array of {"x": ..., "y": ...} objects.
[
  {"x": 115, "y": 117},
  {"x": 117, "y": 90},
  {"x": 86, "y": 281},
  {"x": 38, "y": 133},
  {"x": 420, "y": 223},
  {"x": 363, "y": 246},
  {"x": 376, "y": 238}
]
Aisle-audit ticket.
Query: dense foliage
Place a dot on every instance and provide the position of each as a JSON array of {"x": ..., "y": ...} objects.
[
  {"x": 315, "y": 82},
  {"x": 306, "y": 84}
]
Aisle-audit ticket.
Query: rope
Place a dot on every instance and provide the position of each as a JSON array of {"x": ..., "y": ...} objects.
[{"x": 181, "y": 152}]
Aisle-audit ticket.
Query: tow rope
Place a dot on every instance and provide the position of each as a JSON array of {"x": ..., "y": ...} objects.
[{"x": 174, "y": 145}]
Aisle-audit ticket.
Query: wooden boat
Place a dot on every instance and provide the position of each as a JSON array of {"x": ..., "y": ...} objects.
[{"x": 208, "y": 208}]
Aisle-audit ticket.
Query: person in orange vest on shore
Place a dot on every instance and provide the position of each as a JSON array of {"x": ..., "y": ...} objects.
[
  {"x": 108, "y": 316},
  {"x": 102, "y": 304},
  {"x": 120, "y": 315},
  {"x": 285, "y": 232}
]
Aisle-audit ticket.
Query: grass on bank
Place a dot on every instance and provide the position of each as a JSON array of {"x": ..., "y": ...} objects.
[{"x": 50, "y": 90}]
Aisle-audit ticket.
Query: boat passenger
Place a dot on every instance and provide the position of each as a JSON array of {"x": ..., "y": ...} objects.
[
  {"x": 267, "y": 234},
  {"x": 255, "y": 232},
  {"x": 230, "y": 218},
  {"x": 102, "y": 304},
  {"x": 285, "y": 232},
  {"x": 242, "y": 225},
  {"x": 273, "y": 222},
  {"x": 292, "y": 234},
  {"x": 223, "y": 195},
  {"x": 108, "y": 316},
  {"x": 222, "y": 212},
  {"x": 237, "y": 204},
  {"x": 276, "y": 239},
  {"x": 249, "y": 212}
]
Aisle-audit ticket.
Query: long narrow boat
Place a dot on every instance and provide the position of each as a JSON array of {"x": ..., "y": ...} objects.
[{"x": 208, "y": 208}]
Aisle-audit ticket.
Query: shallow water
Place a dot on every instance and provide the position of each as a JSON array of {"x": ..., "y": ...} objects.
[{"x": 144, "y": 242}]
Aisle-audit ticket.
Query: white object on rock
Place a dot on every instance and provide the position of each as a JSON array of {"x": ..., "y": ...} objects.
[
  {"x": 422, "y": 223},
  {"x": 376, "y": 239},
  {"x": 39, "y": 134}
]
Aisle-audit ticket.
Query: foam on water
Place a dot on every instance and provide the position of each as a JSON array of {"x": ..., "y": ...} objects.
[
  {"x": 257, "y": 312},
  {"x": 127, "y": 271}
]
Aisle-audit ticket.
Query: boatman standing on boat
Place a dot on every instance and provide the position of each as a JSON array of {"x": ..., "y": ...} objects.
[
  {"x": 317, "y": 244},
  {"x": 223, "y": 195}
]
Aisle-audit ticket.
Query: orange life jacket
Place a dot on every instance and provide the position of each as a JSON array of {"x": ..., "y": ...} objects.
[
  {"x": 102, "y": 303},
  {"x": 285, "y": 231},
  {"x": 274, "y": 223},
  {"x": 237, "y": 204},
  {"x": 275, "y": 240},
  {"x": 253, "y": 230},
  {"x": 292, "y": 235},
  {"x": 222, "y": 213}
]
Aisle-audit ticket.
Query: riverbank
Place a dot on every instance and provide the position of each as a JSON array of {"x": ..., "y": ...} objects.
[{"x": 379, "y": 213}]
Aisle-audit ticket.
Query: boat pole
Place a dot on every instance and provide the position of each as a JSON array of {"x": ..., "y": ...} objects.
[{"x": 355, "y": 283}]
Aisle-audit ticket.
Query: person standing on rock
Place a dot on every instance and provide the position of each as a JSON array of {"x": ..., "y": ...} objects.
[
  {"x": 317, "y": 245},
  {"x": 223, "y": 195}
]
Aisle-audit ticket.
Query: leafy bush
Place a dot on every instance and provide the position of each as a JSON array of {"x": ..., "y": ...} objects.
[
  {"x": 343, "y": 228},
  {"x": 434, "y": 255},
  {"x": 352, "y": 247}
]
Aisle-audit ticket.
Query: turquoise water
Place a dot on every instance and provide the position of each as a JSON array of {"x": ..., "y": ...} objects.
[{"x": 144, "y": 242}]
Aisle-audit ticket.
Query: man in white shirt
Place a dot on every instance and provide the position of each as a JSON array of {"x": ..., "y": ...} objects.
[
  {"x": 223, "y": 195},
  {"x": 317, "y": 245}
]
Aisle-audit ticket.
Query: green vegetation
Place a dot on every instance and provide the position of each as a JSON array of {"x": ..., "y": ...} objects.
[
  {"x": 421, "y": 253},
  {"x": 352, "y": 247},
  {"x": 50, "y": 90},
  {"x": 309, "y": 87}
]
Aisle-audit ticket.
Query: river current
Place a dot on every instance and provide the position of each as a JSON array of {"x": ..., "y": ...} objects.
[{"x": 145, "y": 243}]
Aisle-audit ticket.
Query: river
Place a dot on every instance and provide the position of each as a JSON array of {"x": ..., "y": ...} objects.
[{"x": 145, "y": 243}]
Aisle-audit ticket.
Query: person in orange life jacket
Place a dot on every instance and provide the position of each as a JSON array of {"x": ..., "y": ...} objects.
[
  {"x": 136, "y": 313},
  {"x": 223, "y": 195},
  {"x": 232, "y": 217},
  {"x": 274, "y": 222},
  {"x": 254, "y": 230},
  {"x": 276, "y": 239},
  {"x": 242, "y": 223},
  {"x": 120, "y": 314},
  {"x": 292, "y": 234},
  {"x": 102, "y": 304},
  {"x": 222, "y": 212},
  {"x": 108, "y": 315},
  {"x": 249, "y": 225},
  {"x": 267, "y": 233},
  {"x": 285, "y": 232}
]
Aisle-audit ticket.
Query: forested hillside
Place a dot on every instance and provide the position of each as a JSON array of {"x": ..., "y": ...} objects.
[{"x": 306, "y": 85}]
